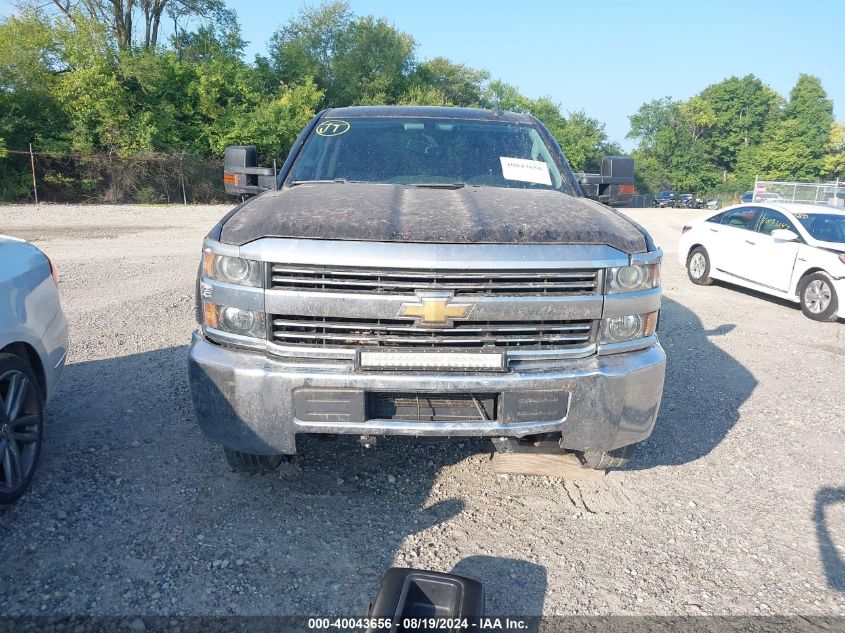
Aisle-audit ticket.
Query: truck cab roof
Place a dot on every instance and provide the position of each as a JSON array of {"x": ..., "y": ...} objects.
[{"x": 432, "y": 112}]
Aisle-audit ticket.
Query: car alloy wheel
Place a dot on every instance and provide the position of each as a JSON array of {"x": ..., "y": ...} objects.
[
  {"x": 697, "y": 265},
  {"x": 817, "y": 296},
  {"x": 20, "y": 431}
]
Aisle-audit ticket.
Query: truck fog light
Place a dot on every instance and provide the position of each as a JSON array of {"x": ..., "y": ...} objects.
[
  {"x": 624, "y": 328},
  {"x": 237, "y": 320},
  {"x": 629, "y": 327},
  {"x": 234, "y": 320}
]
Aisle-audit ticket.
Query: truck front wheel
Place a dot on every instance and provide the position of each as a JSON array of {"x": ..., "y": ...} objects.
[
  {"x": 255, "y": 464},
  {"x": 602, "y": 460}
]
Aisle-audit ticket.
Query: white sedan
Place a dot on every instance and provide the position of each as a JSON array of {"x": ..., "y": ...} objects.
[
  {"x": 33, "y": 347},
  {"x": 792, "y": 251}
]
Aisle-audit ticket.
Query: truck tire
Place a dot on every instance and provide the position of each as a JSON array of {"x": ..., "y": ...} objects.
[
  {"x": 698, "y": 267},
  {"x": 818, "y": 297},
  {"x": 602, "y": 460},
  {"x": 21, "y": 426},
  {"x": 254, "y": 464}
]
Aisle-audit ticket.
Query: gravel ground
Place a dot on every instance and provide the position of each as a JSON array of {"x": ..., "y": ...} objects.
[{"x": 736, "y": 504}]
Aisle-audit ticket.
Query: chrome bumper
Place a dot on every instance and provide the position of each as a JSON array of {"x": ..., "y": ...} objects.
[{"x": 245, "y": 400}]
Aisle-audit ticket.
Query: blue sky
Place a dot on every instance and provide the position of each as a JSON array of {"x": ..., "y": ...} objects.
[{"x": 608, "y": 58}]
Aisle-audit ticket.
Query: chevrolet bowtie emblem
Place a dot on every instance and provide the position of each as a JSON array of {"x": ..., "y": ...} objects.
[{"x": 435, "y": 310}]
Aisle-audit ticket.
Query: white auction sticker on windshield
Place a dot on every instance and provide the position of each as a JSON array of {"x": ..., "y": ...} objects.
[{"x": 525, "y": 170}]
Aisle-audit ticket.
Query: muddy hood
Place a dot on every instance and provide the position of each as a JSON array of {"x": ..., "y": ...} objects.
[{"x": 396, "y": 213}]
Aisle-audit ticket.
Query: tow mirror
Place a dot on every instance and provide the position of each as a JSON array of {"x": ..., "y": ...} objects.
[
  {"x": 590, "y": 189},
  {"x": 785, "y": 235},
  {"x": 408, "y": 594},
  {"x": 241, "y": 173}
]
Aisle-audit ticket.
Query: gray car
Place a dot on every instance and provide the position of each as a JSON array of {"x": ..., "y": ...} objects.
[{"x": 33, "y": 347}]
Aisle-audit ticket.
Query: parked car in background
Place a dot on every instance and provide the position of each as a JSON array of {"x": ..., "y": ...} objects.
[
  {"x": 665, "y": 199},
  {"x": 690, "y": 201},
  {"x": 747, "y": 197},
  {"x": 33, "y": 347},
  {"x": 713, "y": 204},
  {"x": 792, "y": 251}
]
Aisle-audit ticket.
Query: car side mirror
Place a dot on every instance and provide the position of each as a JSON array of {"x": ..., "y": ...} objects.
[{"x": 785, "y": 235}]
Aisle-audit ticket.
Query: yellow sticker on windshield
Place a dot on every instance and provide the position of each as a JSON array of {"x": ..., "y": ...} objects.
[{"x": 332, "y": 128}]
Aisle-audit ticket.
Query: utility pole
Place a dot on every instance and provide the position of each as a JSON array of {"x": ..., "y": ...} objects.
[{"x": 32, "y": 164}]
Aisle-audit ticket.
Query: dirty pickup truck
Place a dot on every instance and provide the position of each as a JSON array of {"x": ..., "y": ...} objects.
[{"x": 424, "y": 271}]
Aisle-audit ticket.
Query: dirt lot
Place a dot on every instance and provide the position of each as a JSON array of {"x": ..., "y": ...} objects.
[{"x": 736, "y": 505}]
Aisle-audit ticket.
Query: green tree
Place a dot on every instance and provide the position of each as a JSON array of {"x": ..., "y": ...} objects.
[
  {"x": 30, "y": 69},
  {"x": 122, "y": 17},
  {"x": 270, "y": 123},
  {"x": 459, "y": 84},
  {"x": 424, "y": 96},
  {"x": 834, "y": 162},
  {"x": 785, "y": 154},
  {"x": 795, "y": 146},
  {"x": 584, "y": 141},
  {"x": 354, "y": 60},
  {"x": 743, "y": 108},
  {"x": 373, "y": 66},
  {"x": 672, "y": 150},
  {"x": 309, "y": 44},
  {"x": 647, "y": 122}
]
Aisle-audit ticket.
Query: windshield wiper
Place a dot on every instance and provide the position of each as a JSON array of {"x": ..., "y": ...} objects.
[
  {"x": 440, "y": 185},
  {"x": 338, "y": 181}
]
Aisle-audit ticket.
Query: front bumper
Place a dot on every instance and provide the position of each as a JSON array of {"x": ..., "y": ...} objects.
[{"x": 245, "y": 400}]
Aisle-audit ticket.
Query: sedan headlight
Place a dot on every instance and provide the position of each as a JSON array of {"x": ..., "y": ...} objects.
[
  {"x": 630, "y": 327},
  {"x": 233, "y": 270},
  {"x": 234, "y": 320},
  {"x": 632, "y": 278}
]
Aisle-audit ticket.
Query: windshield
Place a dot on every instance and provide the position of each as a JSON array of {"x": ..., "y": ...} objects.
[
  {"x": 430, "y": 152},
  {"x": 823, "y": 226}
]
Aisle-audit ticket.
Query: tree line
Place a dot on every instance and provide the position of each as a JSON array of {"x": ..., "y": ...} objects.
[
  {"x": 736, "y": 130},
  {"x": 98, "y": 78}
]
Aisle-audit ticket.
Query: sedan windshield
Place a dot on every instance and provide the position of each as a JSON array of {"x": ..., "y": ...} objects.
[
  {"x": 430, "y": 152},
  {"x": 823, "y": 226}
]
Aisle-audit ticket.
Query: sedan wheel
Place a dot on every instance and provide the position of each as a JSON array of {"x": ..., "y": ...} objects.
[
  {"x": 818, "y": 297},
  {"x": 21, "y": 427},
  {"x": 698, "y": 267}
]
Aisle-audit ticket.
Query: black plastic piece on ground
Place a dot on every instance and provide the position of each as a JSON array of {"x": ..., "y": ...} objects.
[{"x": 415, "y": 593}]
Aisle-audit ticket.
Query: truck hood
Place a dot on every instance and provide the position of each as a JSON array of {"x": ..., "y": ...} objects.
[{"x": 399, "y": 213}]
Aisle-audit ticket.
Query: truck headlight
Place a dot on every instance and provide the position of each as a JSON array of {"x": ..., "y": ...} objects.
[
  {"x": 233, "y": 270},
  {"x": 234, "y": 320},
  {"x": 627, "y": 328},
  {"x": 632, "y": 278}
]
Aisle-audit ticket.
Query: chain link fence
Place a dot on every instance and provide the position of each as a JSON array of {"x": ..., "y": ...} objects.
[
  {"x": 832, "y": 193},
  {"x": 153, "y": 178}
]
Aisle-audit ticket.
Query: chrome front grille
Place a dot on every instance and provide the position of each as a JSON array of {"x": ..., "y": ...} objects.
[
  {"x": 291, "y": 330},
  {"x": 461, "y": 283}
]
